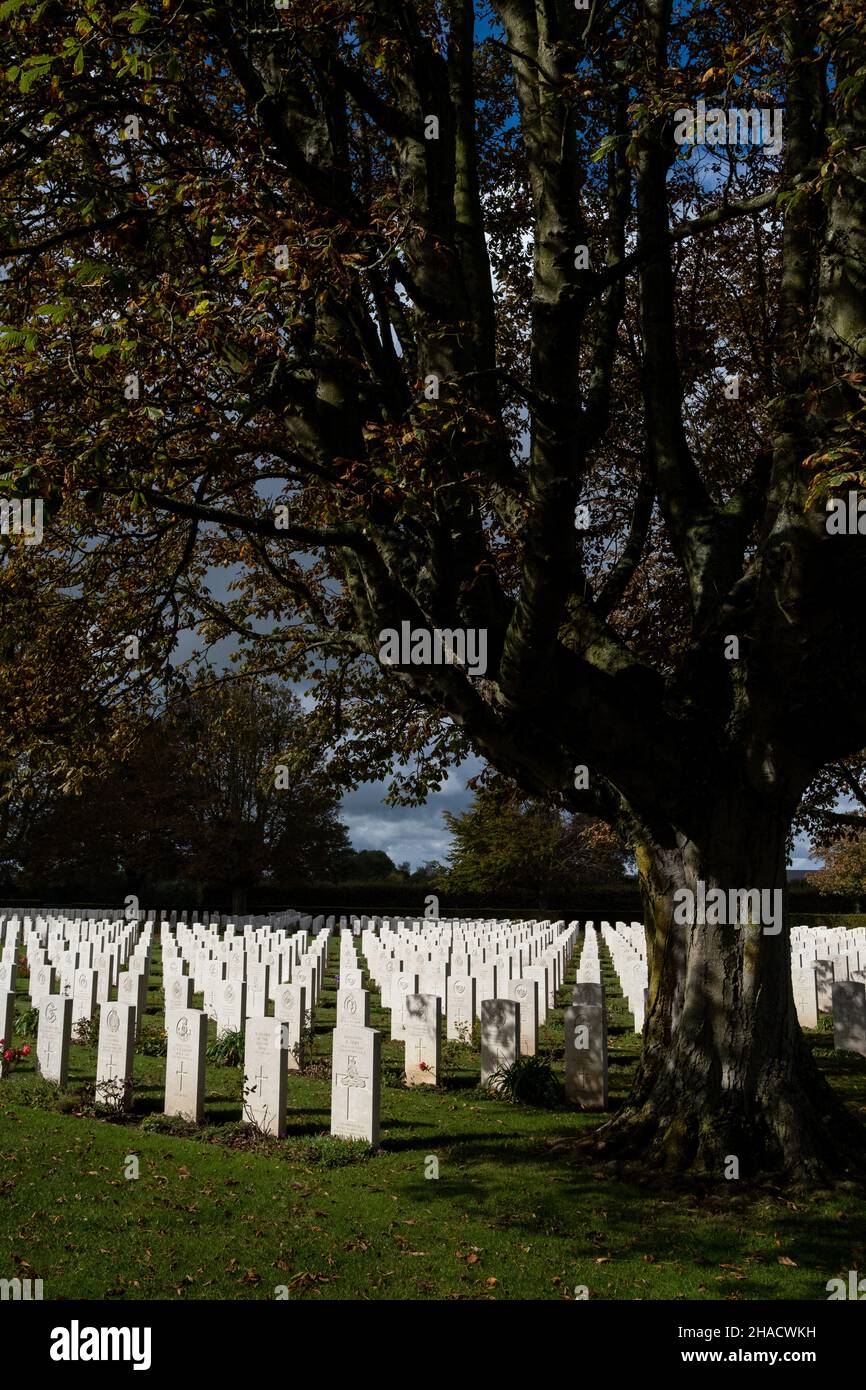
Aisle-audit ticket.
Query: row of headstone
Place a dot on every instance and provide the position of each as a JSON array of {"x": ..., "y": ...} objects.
[
  {"x": 509, "y": 1025},
  {"x": 828, "y": 976},
  {"x": 626, "y": 945},
  {"x": 247, "y": 974}
]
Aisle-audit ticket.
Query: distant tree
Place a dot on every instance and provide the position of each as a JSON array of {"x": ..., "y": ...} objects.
[
  {"x": 844, "y": 858},
  {"x": 117, "y": 829},
  {"x": 367, "y": 866},
  {"x": 507, "y": 840},
  {"x": 257, "y": 815},
  {"x": 210, "y": 793},
  {"x": 429, "y": 872}
]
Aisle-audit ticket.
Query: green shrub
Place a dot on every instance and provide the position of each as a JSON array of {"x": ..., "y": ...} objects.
[
  {"x": 174, "y": 1125},
  {"x": 86, "y": 1032},
  {"x": 39, "y": 1094},
  {"x": 110, "y": 1100},
  {"x": 527, "y": 1081},
  {"x": 227, "y": 1051},
  {"x": 325, "y": 1150},
  {"x": 26, "y": 1023},
  {"x": 152, "y": 1041}
]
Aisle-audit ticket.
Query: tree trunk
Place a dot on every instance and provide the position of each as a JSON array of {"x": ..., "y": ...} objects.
[
  {"x": 239, "y": 899},
  {"x": 725, "y": 1071}
]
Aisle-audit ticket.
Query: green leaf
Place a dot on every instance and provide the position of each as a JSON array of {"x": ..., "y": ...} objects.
[
  {"x": 12, "y": 337},
  {"x": 56, "y": 312},
  {"x": 99, "y": 350},
  {"x": 90, "y": 273}
]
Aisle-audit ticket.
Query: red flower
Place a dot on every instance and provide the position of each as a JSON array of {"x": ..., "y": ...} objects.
[
  {"x": 25, "y": 1051},
  {"x": 8, "y": 1054}
]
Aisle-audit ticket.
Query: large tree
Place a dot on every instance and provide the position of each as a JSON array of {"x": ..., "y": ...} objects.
[{"x": 300, "y": 290}]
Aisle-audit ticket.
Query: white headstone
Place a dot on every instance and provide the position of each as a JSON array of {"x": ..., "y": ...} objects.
[
  {"x": 825, "y": 974},
  {"x": 421, "y": 1034},
  {"x": 178, "y": 993},
  {"x": 500, "y": 1036},
  {"x": 230, "y": 1006},
  {"x": 353, "y": 1008},
  {"x": 115, "y": 1051},
  {"x": 586, "y": 1048},
  {"x": 461, "y": 1007},
  {"x": 355, "y": 1083},
  {"x": 485, "y": 985},
  {"x": 83, "y": 996},
  {"x": 849, "y": 1016},
  {"x": 403, "y": 983},
  {"x": 805, "y": 987},
  {"x": 53, "y": 1038},
  {"x": 186, "y": 1032},
  {"x": 41, "y": 983},
  {"x": 7, "y": 1015},
  {"x": 525, "y": 992},
  {"x": 265, "y": 1075},
  {"x": 290, "y": 1008},
  {"x": 132, "y": 989}
]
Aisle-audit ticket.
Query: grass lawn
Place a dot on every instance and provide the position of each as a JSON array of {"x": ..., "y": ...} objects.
[{"x": 510, "y": 1215}]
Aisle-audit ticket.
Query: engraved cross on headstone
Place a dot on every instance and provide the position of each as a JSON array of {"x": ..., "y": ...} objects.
[{"x": 351, "y": 1080}]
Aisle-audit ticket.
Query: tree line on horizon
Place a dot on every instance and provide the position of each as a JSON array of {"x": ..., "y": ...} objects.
[{"x": 212, "y": 804}]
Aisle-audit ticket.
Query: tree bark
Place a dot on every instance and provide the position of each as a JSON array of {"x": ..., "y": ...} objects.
[{"x": 725, "y": 1070}]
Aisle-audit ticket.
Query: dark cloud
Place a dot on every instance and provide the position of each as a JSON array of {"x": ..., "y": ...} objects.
[{"x": 413, "y": 833}]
